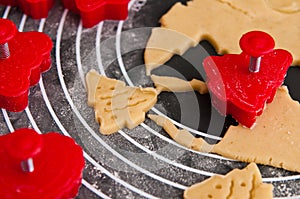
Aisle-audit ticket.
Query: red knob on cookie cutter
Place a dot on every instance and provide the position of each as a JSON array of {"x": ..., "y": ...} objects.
[
  {"x": 23, "y": 146},
  {"x": 241, "y": 84},
  {"x": 256, "y": 44},
  {"x": 94, "y": 11},
  {"x": 36, "y": 9},
  {"x": 39, "y": 165},
  {"x": 24, "y": 56}
]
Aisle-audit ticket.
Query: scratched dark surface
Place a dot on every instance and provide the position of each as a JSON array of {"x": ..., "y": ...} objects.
[{"x": 136, "y": 163}]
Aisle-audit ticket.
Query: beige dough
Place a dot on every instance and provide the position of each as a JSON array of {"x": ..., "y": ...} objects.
[
  {"x": 117, "y": 105},
  {"x": 274, "y": 141},
  {"x": 181, "y": 136},
  {"x": 222, "y": 23},
  {"x": 163, "y": 44},
  {"x": 173, "y": 84},
  {"x": 245, "y": 183}
]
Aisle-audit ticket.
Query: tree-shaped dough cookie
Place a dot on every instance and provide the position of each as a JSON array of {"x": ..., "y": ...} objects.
[{"x": 117, "y": 105}]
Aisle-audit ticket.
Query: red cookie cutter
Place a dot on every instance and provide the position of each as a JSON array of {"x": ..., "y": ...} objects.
[
  {"x": 94, "y": 11},
  {"x": 23, "y": 57},
  {"x": 242, "y": 84},
  {"x": 37, "y": 9},
  {"x": 39, "y": 166}
]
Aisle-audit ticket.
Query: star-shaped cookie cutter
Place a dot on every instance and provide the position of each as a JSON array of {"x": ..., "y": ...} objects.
[
  {"x": 94, "y": 11},
  {"x": 37, "y": 9},
  {"x": 23, "y": 57}
]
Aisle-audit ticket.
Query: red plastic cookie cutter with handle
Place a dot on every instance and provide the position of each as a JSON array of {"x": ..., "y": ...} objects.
[
  {"x": 241, "y": 84},
  {"x": 39, "y": 166},
  {"x": 36, "y": 9},
  {"x": 23, "y": 57},
  {"x": 94, "y": 11}
]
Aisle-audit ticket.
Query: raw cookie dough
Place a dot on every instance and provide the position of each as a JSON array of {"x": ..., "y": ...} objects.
[
  {"x": 288, "y": 6},
  {"x": 181, "y": 136},
  {"x": 173, "y": 84},
  {"x": 222, "y": 23},
  {"x": 274, "y": 141},
  {"x": 162, "y": 45},
  {"x": 117, "y": 105},
  {"x": 246, "y": 183}
]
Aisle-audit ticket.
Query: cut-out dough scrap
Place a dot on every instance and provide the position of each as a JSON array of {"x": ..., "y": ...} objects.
[
  {"x": 163, "y": 44},
  {"x": 173, "y": 84},
  {"x": 182, "y": 137},
  {"x": 245, "y": 183},
  {"x": 274, "y": 141},
  {"x": 202, "y": 19},
  {"x": 117, "y": 105}
]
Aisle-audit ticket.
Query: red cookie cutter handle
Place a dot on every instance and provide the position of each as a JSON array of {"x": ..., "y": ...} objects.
[
  {"x": 23, "y": 146},
  {"x": 256, "y": 44}
]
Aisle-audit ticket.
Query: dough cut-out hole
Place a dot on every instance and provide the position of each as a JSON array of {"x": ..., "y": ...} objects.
[
  {"x": 281, "y": 164},
  {"x": 270, "y": 160},
  {"x": 112, "y": 88},
  {"x": 218, "y": 186},
  {"x": 210, "y": 196},
  {"x": 108, "y": 103},
  {"x": 243, "y": 184}
]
